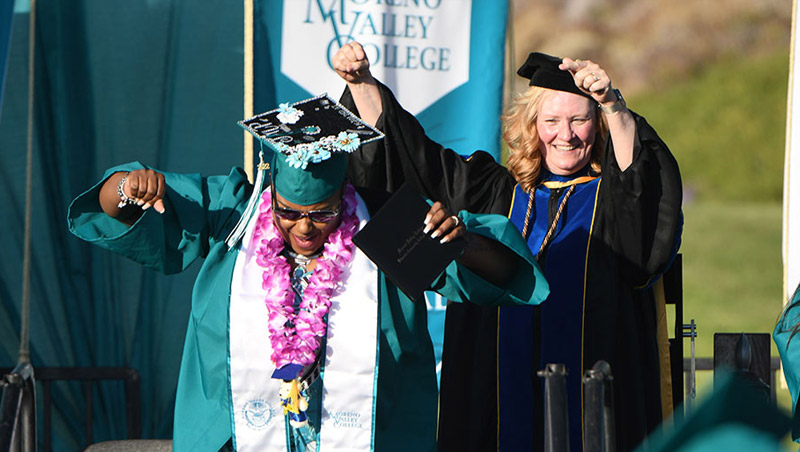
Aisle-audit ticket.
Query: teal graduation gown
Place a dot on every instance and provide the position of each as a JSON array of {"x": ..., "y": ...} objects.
[
  {"x": 200, "y": 212},
  {"x": 788, "y": 343}
]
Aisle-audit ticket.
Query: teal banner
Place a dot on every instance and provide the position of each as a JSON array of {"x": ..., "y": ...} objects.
[{"x": 6, "y": 15}]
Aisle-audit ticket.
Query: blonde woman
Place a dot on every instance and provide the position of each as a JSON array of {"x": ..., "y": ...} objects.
[{"x": 597, "y": 196}]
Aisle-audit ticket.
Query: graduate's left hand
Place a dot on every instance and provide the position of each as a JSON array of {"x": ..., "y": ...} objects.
[{"x": 441, "y": 223}]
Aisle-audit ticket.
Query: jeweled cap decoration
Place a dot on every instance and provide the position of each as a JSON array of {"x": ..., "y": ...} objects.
[{"x": 310, "y": 140}]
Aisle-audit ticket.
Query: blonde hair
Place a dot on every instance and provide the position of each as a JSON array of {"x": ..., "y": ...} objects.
[{"x": 519, "y": 132}]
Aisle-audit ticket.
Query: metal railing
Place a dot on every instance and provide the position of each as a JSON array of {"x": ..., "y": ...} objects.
[
  {"x": 89, "y": 376},
  {"x": 18, "y": 410},
  {"x": 706, "y": 364}
]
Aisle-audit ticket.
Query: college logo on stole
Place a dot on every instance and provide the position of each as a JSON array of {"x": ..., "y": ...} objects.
[{"x": 350, "y": 367}]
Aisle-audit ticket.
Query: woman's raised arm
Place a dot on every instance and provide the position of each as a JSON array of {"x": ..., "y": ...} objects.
[{"x": 352, "y": 65}]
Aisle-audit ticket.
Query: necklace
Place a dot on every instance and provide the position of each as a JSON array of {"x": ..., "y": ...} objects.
[
  {"x": 298, "y": 277},
  {"x": 301, "y": 259},
  {"x": 301, "y": 262},
  {"x": 296, "y": 332}
]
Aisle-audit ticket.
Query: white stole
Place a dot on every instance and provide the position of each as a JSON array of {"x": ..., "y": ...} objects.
[{"x": 350, "y": 371}]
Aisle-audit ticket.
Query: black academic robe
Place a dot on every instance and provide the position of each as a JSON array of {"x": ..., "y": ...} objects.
[{"x": 634, "y": 235}]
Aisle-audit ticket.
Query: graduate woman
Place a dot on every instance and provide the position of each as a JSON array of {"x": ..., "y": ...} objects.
[
  {"x": 296, "y": 341},
  {"x": 597, "y": 196}
]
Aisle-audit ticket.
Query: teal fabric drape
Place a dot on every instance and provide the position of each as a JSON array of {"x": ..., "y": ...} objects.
[
  {"x": 6, "y": 14},
  {"x": 158, "y": 81}
]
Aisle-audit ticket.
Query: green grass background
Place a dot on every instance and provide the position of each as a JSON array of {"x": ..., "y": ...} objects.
[{"x": 726, "y": 126}]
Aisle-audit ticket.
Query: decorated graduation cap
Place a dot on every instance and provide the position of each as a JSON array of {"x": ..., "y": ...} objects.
[
  {"x": 543, "y": 71},
  {"x": 310, "y": 141}
]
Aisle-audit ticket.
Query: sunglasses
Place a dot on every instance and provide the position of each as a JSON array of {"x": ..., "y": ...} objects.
[{"x": 317, "y": 216}]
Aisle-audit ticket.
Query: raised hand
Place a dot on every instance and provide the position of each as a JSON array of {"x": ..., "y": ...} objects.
[
  {"x": 126, "y": 195},
  {"x": 590, "y": 78},
  {"x": 351, "y": 63},
  {"x": 147, "y": 188}
]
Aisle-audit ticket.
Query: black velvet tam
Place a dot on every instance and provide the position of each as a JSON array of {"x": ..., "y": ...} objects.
[{"x": 542, "y": 70}]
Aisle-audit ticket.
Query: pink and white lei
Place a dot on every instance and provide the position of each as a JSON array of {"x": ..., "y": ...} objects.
[{"x": 298, "y": 344}]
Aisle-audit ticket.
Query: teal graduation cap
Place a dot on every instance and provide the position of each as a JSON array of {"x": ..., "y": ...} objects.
[
  {"x": 312, "y": 184},
  {"x": 737, "y": 416},
  {"x": 310, "y": 141}
]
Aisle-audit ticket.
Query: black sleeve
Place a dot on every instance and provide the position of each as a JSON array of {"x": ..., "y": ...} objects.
[
  {"x": 642, "y": 205},
  {"x": 406, "y": 154}
]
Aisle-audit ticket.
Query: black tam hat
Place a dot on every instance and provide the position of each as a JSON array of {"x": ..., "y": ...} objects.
[{"x": 542, "y": 70}]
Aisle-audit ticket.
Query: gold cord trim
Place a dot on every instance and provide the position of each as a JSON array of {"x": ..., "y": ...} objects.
[
  {"x": 578, "y": 180},
  {"x": 552, "y": 228}
]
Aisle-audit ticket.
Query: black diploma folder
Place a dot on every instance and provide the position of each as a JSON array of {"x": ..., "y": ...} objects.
[{"x": 394, "y": 241}]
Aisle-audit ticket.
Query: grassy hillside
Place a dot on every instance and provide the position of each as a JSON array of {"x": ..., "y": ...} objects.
[
  {"x": 726, "y": 127},
  {"x": 732, "y": 268},
  {"x": 727, "y": 130}
]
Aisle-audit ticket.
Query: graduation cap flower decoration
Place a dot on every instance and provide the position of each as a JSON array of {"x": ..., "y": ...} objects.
[
  {"x": 287, "y": 114},
  {"x": 310, "y": 140},
  {"x": 310, "y": 131}
]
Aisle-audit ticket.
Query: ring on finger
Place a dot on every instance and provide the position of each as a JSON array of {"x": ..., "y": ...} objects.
[
  {"x": 456, "y": 220},
  {"x": 595, "y": 76}
]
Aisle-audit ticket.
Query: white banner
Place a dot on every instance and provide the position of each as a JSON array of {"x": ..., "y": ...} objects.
[
  {"x": 791, "y": 175},
  {"x": 420, "y": 49}
]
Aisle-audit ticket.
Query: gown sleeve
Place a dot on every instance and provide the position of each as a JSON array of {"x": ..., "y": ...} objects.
[
  {"x": 476, "y": 183},
  {"x": 642, "y": 206},
  {"x": 199, "y": 212},
  {"x": 527, "y": 286},
  {"x": 787, "y": 341}
]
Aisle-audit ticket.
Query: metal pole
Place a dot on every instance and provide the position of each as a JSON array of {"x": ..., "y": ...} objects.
[
  {"x": 27, "y": 413},
  {"x": 690, "y": 331},
  {"x": 556, "y": 429},
  {"x": 18, "y": 410},
  {"x": 599, "y": 426},
  {"x": 24, "y": 335},
  {"x": 9, "y": 413}
]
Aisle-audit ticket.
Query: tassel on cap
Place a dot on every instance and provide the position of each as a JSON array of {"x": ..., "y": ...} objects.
[{"x": 248, "y": 214}]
